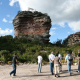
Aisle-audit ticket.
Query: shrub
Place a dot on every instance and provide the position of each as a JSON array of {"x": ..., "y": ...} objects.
[{"x": 9, "y": 62}]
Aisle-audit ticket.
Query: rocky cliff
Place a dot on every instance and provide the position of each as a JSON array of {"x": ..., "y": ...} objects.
[
  {"x": 32, "y": 25},
  {"x": 73, "y": 39}
]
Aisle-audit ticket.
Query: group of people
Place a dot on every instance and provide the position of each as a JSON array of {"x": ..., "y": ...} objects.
[{"x": 55, "y": 63}]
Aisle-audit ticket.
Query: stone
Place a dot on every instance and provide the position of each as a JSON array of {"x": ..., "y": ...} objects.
[
  {"x": 32, "y": 25},
  {"x": 73, "y": 39}
]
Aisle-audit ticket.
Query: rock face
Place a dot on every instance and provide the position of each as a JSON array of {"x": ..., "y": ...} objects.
[
  {"x": 73, "y": 39},
  {"x": 32, "y": 25}
]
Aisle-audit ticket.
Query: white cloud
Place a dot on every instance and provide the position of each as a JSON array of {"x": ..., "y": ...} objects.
[
  {"x": 60, "y": 11},
  {"x": 53, "y": 28},
  {"x": 12, "y": 2},
  {"x": 8, "y": 15},
  {"x": 5, "y": 32},
  {"x": 61, "y": 24},
  {"x": 75, "y": 26},
  {"x": 68, "y": 32},
  {"x": 10, "y": 21},
  {"x": 52, "y": 33},
  {"x": 4, "y": 20}
]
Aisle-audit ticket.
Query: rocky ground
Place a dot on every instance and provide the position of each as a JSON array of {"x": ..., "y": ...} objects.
[{"x": 29, "y": 72}]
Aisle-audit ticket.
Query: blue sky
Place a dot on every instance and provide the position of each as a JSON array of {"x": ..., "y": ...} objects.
[{"x": 64, "y": 14}]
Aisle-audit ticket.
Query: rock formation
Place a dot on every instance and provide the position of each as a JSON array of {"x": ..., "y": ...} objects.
[
  {"x": 32, "y": 25},
  {"x": 73, "y": 39}
]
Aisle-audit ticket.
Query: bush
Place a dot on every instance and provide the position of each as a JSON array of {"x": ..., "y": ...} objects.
[
  {"x": 5, "y": 55},
  {"x": 9, "y": 62}
]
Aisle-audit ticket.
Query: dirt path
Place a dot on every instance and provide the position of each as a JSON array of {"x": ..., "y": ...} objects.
[{"x": 29, "y": 72}]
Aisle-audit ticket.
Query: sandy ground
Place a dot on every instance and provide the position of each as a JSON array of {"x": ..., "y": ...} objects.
[{"x": 29, "y": 72}]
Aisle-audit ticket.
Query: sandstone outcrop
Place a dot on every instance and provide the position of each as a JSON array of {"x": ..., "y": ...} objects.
[
  {"x": 73, "y": 39},
  {"x": 32, "y": 25}
]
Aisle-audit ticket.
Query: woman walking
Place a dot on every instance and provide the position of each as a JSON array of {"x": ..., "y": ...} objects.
[{"x": 57, "y": 63}]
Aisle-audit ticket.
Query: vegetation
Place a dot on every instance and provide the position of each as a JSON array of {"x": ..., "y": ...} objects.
[{"x": 28, "y": 51}]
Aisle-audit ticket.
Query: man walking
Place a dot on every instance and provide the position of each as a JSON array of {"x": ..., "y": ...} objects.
[
  {"x": 69, "y": 59},
  {"x": 14, "y": 65},
  {"x": 51, "y": 60},
  {"x": 59, "y": 55},
  {"x": 57, "y": 63},
  {"x": 39, "y": 63}
]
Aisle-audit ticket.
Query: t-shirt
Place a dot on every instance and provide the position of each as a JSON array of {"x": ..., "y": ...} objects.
[
  {"x": 60, "y": 56},
  {"x": 56, "y": 60},
  {"x": 67, "y": 57},
  {"x": 14, "y": 60},
  {"x": 39, "y": 59},
  {"x": 51, "y": 57}
]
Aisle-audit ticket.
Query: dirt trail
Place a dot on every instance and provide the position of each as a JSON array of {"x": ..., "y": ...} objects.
[{"x": 29, "y": 72}]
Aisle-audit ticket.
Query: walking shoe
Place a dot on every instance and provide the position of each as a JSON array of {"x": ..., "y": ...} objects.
[
  {"x": 55, "y": 75},
  {"x": 52, "y": 73},
  {"x": 9, "y": 74},
  {"x": 70, "y": 74}
]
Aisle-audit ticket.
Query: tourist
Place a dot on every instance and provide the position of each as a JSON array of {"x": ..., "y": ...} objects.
[
  {"x": 79, "y": 61},
  {"x": 59, "y": 55},
  {"x": 39, "y": 63},
  {"x": 57, "y": 63},
  {"x": 69, "y": 59},
  {"x": 14, "y": 62},
  {"x": 51, "y": 60}
]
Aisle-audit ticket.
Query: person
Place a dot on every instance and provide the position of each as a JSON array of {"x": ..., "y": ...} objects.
[
  {"x": 57, "y": 63},
  {"x": 39, "y": 63},
  {"x": 51, "y": 61},
  {"x": 79, "y": 61},
  {"x": 59, "y": 55},
  {"x": 14, "y": 62},
  {"x": 69, "y": 59}
]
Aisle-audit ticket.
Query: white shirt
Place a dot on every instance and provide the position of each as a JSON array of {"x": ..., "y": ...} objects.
[
  {"x": 51, "y": 57},
  {"x": 39, "y": 59},
  {"x": 60, "y": 56}
]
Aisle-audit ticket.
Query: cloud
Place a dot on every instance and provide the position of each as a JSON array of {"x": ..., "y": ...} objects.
[
  {"x": 8, "y": 15},
  {"x": 53, "y": 28},
  {"x": 61, "y": 24},
  {"x": 60, "y": 11},
  {"x": 52, "y": 33},
  {"x": 4, "y": 20},
  {"x": 68, "y": 32},
  {"x": 10, "y": 21},
  {"x": 5, "y": 32},
  {"x": 75, "y": 26},
  {"x": 12, "y": 2}
]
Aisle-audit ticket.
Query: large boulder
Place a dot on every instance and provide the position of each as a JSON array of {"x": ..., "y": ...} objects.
[{"x": 32, "y": 25}]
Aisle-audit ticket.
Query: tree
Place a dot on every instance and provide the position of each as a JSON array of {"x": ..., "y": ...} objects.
[{"x": 58, "y": 42}]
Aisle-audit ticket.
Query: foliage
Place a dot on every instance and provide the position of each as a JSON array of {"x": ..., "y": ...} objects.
[
  {"x": 5, "y": 55},
  {"x": 28, "y": 51}
]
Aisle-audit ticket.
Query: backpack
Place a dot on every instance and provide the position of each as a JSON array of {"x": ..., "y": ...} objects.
[{"x": 70, "y": 58}]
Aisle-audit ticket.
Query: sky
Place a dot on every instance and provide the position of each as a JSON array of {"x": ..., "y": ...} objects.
[{"x": 64, "y": 14}]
